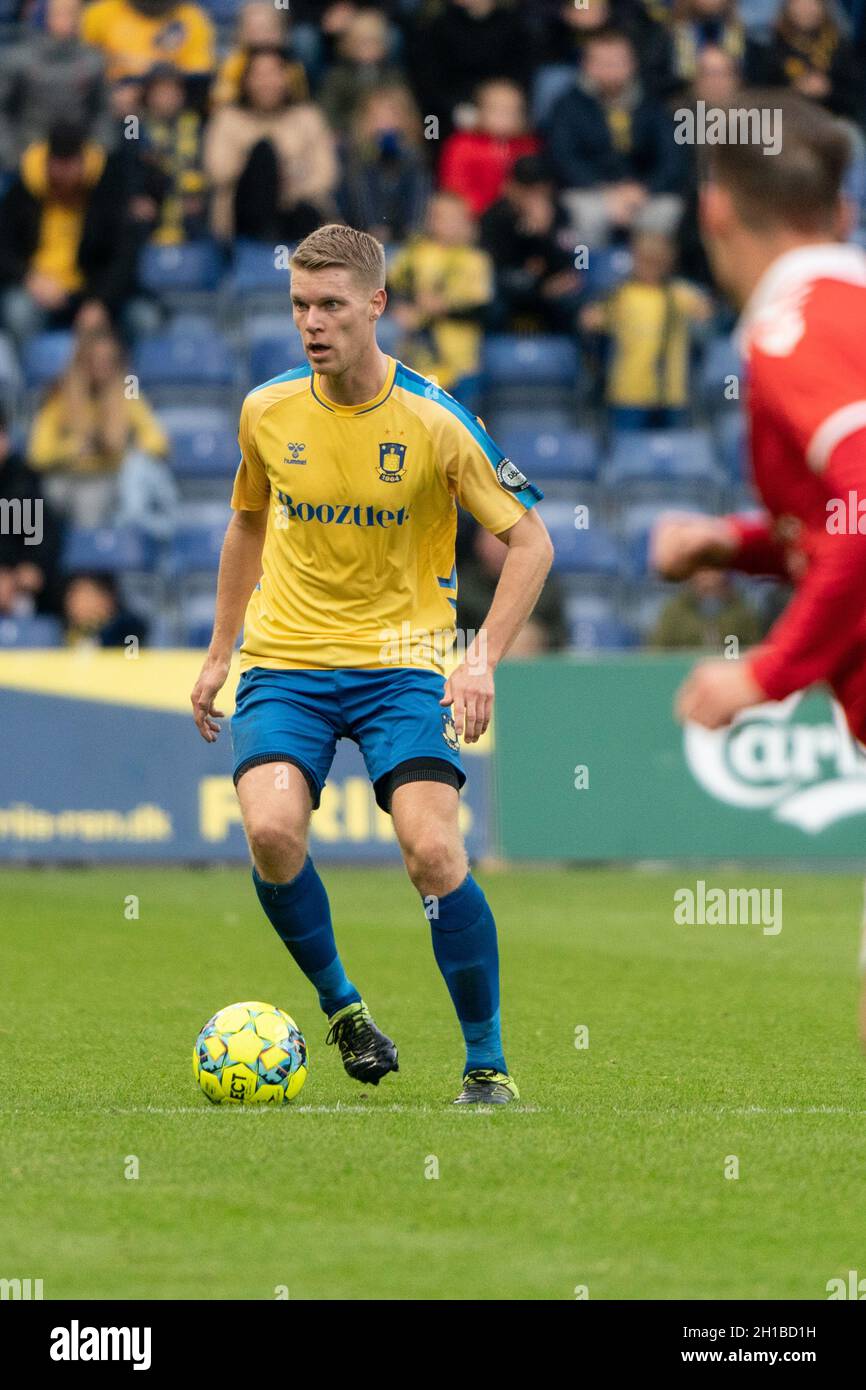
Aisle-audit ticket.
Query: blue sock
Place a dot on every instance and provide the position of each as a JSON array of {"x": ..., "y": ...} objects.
[
  {"x": 301, "y": 914},
  {"x": 464, "y": 944}
]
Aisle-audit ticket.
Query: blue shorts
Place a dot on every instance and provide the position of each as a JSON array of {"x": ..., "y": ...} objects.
[{"x": 393, "y": 715}]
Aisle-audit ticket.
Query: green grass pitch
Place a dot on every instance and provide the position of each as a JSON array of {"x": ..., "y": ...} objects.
[{"x": 704, "y": 1043}]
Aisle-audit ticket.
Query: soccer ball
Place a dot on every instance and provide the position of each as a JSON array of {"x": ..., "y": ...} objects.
[{"x": 250, "y": 1054}]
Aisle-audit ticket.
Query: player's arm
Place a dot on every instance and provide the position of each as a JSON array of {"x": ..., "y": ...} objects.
[
  {"x": 239, "y": 572},
  {"x": 681, "y": 544},
  {"x": 470, "y": 688}
]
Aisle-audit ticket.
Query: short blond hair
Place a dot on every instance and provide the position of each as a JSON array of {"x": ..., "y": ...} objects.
[{"x": 336, "y": 245}]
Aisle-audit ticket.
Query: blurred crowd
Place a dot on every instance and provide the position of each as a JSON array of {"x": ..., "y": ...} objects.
[{"x": 518, "y": 160}]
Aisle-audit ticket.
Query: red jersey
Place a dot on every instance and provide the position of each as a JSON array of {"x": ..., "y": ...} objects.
[
  {"x": 803, "y": 336},
  {"x": 476, "y": 165}
]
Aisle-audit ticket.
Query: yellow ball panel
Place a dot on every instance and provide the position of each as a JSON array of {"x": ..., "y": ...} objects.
[
  {"x": 244, "y": 1046},
  {"x": 268, "y": 1095},
  {"x": 295, "y": 1082},
  {"x": 211, "y": 1086},
  {"x": 271, "y": 1026},
  {"x": 231, "y": 1018}
]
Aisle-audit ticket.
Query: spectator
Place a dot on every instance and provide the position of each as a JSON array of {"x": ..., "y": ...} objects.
[
  {"x": 94, "y": 616},
  {"x": 442, "y": 284},
  {"x": 613, "y": 148},
  {"x": 260, "y": 25},
  {"x": 363, "y": 65},
  {"x": 717, "y": 83},
  {"x": 570, "y": 26},
  {"x": 386, "y": 183},
  {"x": 172, "y": 135},
  {"x": 647, "y": 320},
  {"x": 526, "y": 235},
  {"x": 65, "y": 236},
  {"x": 476, "y": 163},
  {"x": 99, "y": 445},
  {"x": 466, "y": 43},
  {"x": 47, "y": 76},
  {"x": 706, "y": 613},
  {"x": 271, "y": 161},
  {"x": 697, "y": 24},
  {"x": 29, "y": 552},
  {"x": 135, "y": 35},
  {"x": 809, "y": 52},
  {"x": 478, "y": 575}
]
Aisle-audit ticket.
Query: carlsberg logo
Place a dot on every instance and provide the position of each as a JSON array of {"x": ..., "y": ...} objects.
[
  {"x": 810, "y": 775},
  {"x": 76, "y": 1343}
]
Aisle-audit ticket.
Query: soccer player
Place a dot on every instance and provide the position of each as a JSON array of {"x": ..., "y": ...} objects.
[
  {"x": 772, "y": 226},
  {"x": 339, "y": 564}
]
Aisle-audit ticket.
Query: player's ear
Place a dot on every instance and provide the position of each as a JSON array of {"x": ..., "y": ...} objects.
[
  {"x": 377, "y": 304},
  {"x": 714, "y": 209}
]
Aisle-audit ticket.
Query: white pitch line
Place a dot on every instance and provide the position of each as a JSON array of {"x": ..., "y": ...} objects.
[{"x": 707, "y": 1112}]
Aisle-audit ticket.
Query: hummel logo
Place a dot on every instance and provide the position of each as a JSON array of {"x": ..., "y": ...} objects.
[{"x": 295, "y": 450}]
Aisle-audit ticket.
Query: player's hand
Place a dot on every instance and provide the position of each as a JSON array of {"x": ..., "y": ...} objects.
[
  {"x": 715, "y": 691},
  {"x": 207, "y": 687},
  {"x": 681, "y": 544},
  {"x": 470, "y": 693}
]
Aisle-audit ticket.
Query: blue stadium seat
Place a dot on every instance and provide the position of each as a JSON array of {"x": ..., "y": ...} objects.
[
  {"x": 732, "y": 445},
  {"x": 721, "y": 361},
  {"x": 548, "y": 85},
  {"x": 591, "y": 551},
  {"x": 196, "y": 549},
  {"x": 30, "y": 632},
  {"x": 193, "y": 265},
  {"x": 662, "y": 456},
  {"x": 180, "y": 360},
  {"x": 114, "y": 549},
  {"x": 10, "y": 371},
  {"x": 543, "y": 359},
  {"x": 606, "y": 267},
  {"x": 203, "y": 441},
  {"x": 253, "y": 270},
  {"x": 634, "y": 526},
  {"x": 545, "y": 419},
  {"x": 45, "y": 356},
  {"x": 275, "y": 346},
  {"x": 567, "y": 455}
]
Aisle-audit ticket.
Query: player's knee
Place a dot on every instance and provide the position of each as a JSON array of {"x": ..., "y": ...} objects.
[
  {"x": 435, "y": 859},
  {"x": 278, "y": 851}
]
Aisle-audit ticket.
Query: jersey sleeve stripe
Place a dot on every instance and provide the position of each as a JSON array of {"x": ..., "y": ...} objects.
[
  {"x": 847, "y": 420},
  {"x": 421, "y": 386}
]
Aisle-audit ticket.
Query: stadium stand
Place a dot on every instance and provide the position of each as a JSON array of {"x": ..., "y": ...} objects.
[{"x": 205, "y": 317}]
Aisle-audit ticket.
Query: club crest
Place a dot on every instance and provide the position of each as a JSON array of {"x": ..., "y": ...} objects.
[{"x": 392, "y": 462}]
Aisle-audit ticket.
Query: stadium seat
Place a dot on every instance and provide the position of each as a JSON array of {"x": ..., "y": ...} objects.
[
  {"x": 594, "y": 624},
  {"x": 548, "y": 85},
  {"x": 113, "y": 549},
  {"x": 180, "y": 361},
  {"x": 731, "y": 438},
  {"x": 567, "y": 455},
  {"x": 721, "y": 361},
  {"x": 203, "y": 441},
  {"x": 193, "y": 265},
  {"x": 524, "y": 361},
  {"x": 588, "y": 551},
  {"x": 662, "y": 456},
  {"x": 633, "y": 527},
  {"x": 30, "y": 632},
  {"x": 196, "y": 549},
  {"x": 274, "y": 346},
  {"x": 606, "y": 267},
  {"x": 10, "y": 371},
  {"x": 503, "y": 420},
  {"x": 45, "y": 356},
  {"x": 253, "y": 270}
]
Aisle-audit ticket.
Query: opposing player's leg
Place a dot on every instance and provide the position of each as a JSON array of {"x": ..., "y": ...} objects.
[{"x": 425, "y": 815}]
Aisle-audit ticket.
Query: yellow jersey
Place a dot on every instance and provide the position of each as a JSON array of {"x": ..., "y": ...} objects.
[
  {"x": 649, "y": 325},
  {"x": 134, "y": 42},
  {"x": 358, "y": 563}
]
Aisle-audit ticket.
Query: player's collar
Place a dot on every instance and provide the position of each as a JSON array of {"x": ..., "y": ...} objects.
[
  {"x": 792, "y": 273},
  {"x": 364, "y": 406}
]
